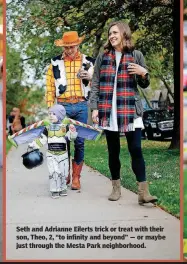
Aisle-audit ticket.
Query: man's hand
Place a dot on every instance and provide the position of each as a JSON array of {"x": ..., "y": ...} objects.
[
  {"x": 95, "y": 116},
  {"x": 84, "y": 75}
]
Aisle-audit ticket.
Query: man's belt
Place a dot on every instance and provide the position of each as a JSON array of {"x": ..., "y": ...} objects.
[{"x": 71, "y": 100}]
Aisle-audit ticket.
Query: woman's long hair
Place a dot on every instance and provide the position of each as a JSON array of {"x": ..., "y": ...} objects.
[{"x": 125, "y": 32}]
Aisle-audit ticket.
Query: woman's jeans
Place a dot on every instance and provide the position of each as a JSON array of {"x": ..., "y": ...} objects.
[
  {"x": 134, "y": 147},
  {"x": 79, "y": 112}
]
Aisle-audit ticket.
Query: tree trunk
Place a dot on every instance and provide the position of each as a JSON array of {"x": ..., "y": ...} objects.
[
  {"x": 98, "y": 41},
  {"x": 175, "y": 142},
  {"x": 97, "y": 45},
  {"x": 168, "y": 88},
  {"x": 96, "y": 50}
]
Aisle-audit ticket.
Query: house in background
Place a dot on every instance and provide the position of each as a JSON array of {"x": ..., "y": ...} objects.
[
  {"x": 155, "y": 99},
  {"x": 162, "y": 99},
  {"x": 145, "y": 104}
]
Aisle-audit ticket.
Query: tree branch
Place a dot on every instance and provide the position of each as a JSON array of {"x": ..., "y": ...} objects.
[
  {"x": 167, "y": 86},
  {"x": 29, "y": 58}
]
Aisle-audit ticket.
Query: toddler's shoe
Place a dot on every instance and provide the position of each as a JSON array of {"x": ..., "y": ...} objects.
[
  {"x": 55, "y": 195},
  {"x": 63, "y": 193}
]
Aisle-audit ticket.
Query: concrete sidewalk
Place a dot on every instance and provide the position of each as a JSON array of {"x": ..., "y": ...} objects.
[{"x": 79, "y": 216}]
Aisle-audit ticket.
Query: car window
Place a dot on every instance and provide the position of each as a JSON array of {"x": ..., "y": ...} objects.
[
  {"x": 157, "y": 115},
  {"x": 163, "y": 114},
  {"x": 150, "y": 116}
]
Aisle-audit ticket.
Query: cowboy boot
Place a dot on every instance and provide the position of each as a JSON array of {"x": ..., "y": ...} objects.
[
  {"x": 76, "y": 175},
  {"x": 116, "y": 191},
  {"x": 144, "y": 195}
]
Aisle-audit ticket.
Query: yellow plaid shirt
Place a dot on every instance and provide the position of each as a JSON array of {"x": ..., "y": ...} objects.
[{"x": 73, "y": 83}]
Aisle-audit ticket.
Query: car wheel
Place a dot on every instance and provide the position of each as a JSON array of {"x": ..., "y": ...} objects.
[{"x": 149, "y": 133}]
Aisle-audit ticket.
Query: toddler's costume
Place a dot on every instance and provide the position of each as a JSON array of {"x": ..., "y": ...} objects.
[{"x": 55, "y": 135}]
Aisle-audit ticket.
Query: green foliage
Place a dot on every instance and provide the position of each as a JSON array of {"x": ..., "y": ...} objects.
[
  {"x": 14, "y": 90},
  {"x": 34, "y": 19},
  {"x": 34, "y": 25},
  {"x": 185, "y": 6},
  {"x": 18, "y": 94},
  {"x": 160, "y": 66}
]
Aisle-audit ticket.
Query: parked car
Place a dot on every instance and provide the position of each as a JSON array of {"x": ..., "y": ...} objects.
[{"x": 157, "y": 122}]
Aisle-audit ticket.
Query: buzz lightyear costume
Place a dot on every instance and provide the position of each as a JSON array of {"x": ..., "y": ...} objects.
[{"x": 56, "y": 135}]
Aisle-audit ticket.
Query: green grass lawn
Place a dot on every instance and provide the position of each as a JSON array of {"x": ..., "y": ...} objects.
[{"x": 162, "y": 167}]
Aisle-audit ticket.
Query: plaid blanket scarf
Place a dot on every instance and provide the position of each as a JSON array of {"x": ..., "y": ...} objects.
[{"x": 124, "y": 91}]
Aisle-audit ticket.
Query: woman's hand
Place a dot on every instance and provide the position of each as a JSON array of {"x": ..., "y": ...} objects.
[
  {"x": 95, "y": 116},
  {"x": 134, "y": 68}
]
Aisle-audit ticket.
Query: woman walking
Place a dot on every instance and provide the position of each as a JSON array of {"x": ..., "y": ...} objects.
[{"x": 116, "y": 104}]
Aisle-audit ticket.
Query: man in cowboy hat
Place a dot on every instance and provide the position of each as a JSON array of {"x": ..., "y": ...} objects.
[{"x": 68, "y": 83}]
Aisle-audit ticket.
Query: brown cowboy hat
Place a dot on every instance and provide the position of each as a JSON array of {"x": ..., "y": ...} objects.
[{"x": 70, "y": 38}]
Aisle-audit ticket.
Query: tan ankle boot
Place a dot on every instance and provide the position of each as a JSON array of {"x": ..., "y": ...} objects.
[
  {"x": 76, "y": 168},
  {"x": 143, "y": 194},
  {"x": 116, "y": 191}
]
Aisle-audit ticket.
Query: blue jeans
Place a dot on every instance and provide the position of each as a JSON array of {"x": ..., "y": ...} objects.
[{"x": 79, "y": 112}]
